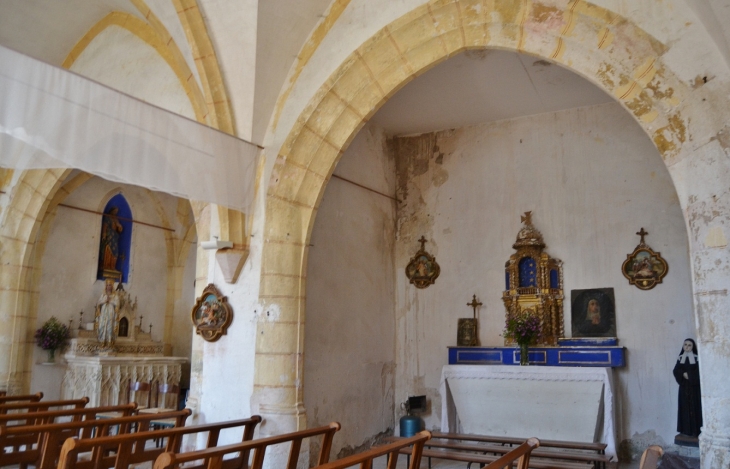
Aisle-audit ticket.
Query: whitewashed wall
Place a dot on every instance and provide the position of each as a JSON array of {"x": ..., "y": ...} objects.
[
  {"x": 68, "y": 280},
  {"x": 349, "y": 346},
  {"x": 592, "y": 179}
]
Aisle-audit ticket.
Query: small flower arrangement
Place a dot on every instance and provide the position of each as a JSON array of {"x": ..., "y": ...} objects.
[
  {"x": 524, "y": 328},
  {"x": 52, "y": 334}
]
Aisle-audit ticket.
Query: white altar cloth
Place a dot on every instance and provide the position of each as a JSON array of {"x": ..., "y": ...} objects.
[{"x": 550, "y": 402}]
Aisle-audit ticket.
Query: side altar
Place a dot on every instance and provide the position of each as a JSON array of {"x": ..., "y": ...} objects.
[
  {"x": 570, "y": 397},
  {"x": 113, "y": 351}
]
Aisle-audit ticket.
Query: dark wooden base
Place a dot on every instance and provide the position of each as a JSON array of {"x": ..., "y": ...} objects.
[{"x": 686, "y": 440}]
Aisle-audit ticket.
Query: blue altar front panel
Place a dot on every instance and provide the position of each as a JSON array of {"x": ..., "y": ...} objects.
[{"x": 546, "y": 356}]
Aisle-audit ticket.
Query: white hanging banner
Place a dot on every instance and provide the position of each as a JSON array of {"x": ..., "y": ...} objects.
[{"x": 53, "y": 118}]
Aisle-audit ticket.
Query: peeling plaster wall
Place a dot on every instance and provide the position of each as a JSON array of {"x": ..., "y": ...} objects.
[
  {"x": 592, "y": 178},
  {"x": 349, "y": 347},
  {"x": 68, "y": 280}
]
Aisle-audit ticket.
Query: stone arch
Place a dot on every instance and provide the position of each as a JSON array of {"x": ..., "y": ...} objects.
[
  {"x": 33, "y": 191},
  {"x": 161, "y": 41},
  {"x": 607, "y": 49}
]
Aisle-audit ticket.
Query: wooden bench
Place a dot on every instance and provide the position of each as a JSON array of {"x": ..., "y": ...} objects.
[
  {"x": 24, "y": 398},
  {"x": 48, "y": 438},
  {"x": 74, "y": 414},
  {"x": 521, "y": 455},
  {"x": 22, "y": 407},
  {"x": 123, "y": 450},
  {"x": 391, "y": 450},
  {"x": 212, "y": 458},
  {"x": 12, "y": 443},
  {"x": 593, "y": 453}
]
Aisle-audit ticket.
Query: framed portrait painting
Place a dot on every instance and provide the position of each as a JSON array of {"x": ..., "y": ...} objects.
[{"x": 593, "y": 313}]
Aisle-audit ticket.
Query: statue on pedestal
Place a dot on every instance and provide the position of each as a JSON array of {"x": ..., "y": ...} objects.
[{"x": 106, "y": 315}]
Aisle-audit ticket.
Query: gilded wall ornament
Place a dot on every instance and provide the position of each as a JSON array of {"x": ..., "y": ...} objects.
[
  {"x": 534, "y": 282},
  {"x": 644, "y": 268},
  {"x": 422, "y": 270},
  {"x": 211, "y": 314}
]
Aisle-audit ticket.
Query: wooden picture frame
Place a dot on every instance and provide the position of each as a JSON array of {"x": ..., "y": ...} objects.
[
  {"x": 422, "y": 270},
  {"x": 644, "y": 268},
  {"x": 211, "y": 314},
  {"x": 593, "y": 313}
]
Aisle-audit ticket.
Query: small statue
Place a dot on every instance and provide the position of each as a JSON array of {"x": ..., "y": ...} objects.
[
  {"x": 687, "y": 373},
  {"x": 106, "y": 315}
]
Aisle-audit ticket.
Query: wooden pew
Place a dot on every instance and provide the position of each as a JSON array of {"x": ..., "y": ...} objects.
[
  {"x": 485, "y": 455},
  {"x": 3, "y": 393},
  {"x": 50, "y": 437},
  {"x": 41, "y": 406},
  {"x": 121, "y": 451},
  {"x": 212, "y": 458},
  {"x": 14, "y": 442},
  {"x": 521, "y": 455},
  {"x": 589, "y": 453},
  {"x": 74, "y": 414},
  {"x": 24, "y": 398},
  {"x": 391, "y": 450}
]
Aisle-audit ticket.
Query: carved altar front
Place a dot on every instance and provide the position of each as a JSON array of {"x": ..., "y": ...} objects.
[{"x": 105, "y": 380}]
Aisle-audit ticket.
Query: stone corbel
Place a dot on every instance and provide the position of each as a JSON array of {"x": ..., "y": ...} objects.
[
  {"x": 231, "y": 262},
  {"x": 233, "y": 228}
]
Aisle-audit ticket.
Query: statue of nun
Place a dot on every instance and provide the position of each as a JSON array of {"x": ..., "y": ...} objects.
[{"x": 687, "y": 373}]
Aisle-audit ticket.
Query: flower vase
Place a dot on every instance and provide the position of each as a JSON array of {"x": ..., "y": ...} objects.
[
  {"x": 51, "y": 355},
  {"x": 524, "y": 354}
]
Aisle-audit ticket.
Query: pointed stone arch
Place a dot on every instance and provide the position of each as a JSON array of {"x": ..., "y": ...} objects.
[{"x": 603, "y": 47}]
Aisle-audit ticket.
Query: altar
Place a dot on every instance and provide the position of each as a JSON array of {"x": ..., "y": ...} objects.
[
  {"x": 556, "y": 403},
  {"x": 105, "y": 380}
]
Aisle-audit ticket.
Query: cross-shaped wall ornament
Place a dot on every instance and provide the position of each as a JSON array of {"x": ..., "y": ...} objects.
[
  {"x": 423, "y": 269},
  {"x": 644, "y": 268}
]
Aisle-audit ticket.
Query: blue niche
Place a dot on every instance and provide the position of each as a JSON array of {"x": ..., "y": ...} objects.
[
  {"x": 506, "y": 280},
  {"x": 528, "y": 272},
  {"x": 115, "y": 239},
  {"x": 554, "y": 278}
]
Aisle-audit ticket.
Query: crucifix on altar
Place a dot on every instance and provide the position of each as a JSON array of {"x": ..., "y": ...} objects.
[{"x": 468, "y": 330}]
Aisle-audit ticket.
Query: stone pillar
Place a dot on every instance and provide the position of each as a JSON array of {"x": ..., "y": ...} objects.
[{"x": 707, "y": 210}]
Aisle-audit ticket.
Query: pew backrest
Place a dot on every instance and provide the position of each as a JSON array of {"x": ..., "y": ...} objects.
[
  {"x": 506, "y": 440},
  {"x": 75, "y": 414},
  {"x": 41, "y": 406},
  {"x": 133, "y": 448},
  {"x": 48, "y": 438},
  {"x": 21, "y": 444},
  {"x": 365, "y": 459},
  {"x": 213, "y": 458},
  {"x": 520, "y": 455},
  {"x": 24, "y": 398}
]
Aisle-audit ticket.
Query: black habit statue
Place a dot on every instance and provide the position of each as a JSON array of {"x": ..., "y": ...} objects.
[{"x": 687, "y": 373}]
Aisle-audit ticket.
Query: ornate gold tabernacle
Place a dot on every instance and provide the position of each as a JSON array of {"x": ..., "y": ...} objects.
[{"x": 534, "y": 283}]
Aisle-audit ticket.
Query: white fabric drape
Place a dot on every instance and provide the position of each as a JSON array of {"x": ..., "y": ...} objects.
[{"x": 52, "y": 118}]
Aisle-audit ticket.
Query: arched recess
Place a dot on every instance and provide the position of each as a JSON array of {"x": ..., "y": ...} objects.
[
  {"x": 33, "y": 191},
  {"x": 605, "y": 48}
]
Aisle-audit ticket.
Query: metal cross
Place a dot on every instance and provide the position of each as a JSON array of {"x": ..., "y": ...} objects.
[
  {"x": 423, "y": 242},
  {"x": 474, "y": 303},
  {"x": 642, "y": 233},
  {"x": 526, "y": 218}
]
